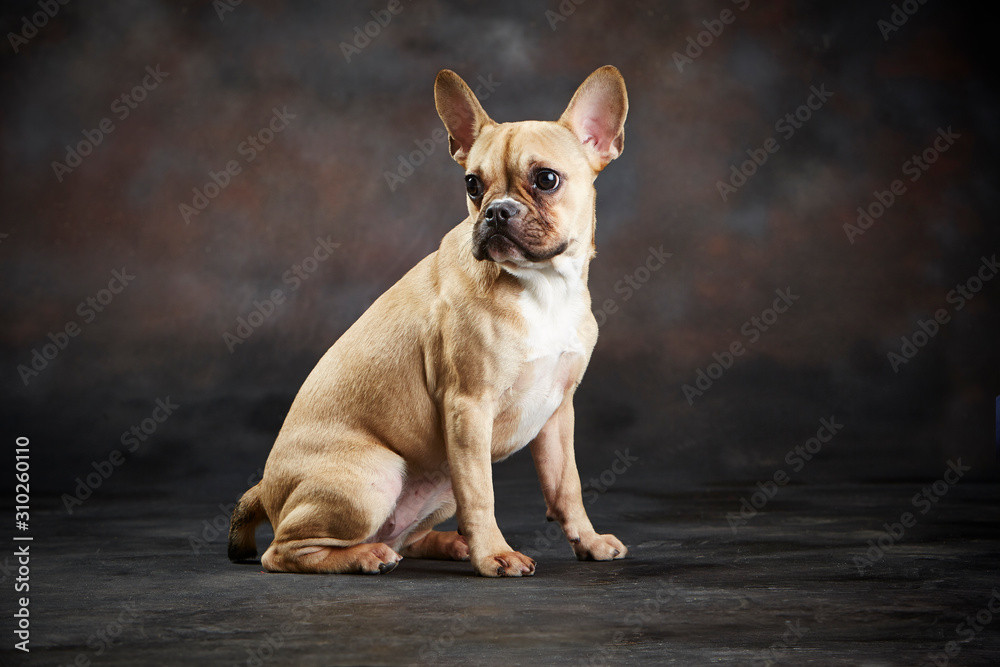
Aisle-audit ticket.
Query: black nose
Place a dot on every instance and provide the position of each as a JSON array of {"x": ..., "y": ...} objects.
[{"x": 498, "y": 213}]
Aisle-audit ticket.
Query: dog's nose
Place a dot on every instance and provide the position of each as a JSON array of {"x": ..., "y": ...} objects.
[{"x": 499, "y": 212}]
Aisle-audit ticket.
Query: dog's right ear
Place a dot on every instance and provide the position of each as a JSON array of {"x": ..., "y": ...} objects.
[{"x": 461, "y": 113}]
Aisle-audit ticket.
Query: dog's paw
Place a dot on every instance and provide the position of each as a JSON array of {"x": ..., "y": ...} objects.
[
  {"x": 440, "y": 545},
  {"x": 377, "y": 558},
  {"x": 599, "y": 547},
  {"x": 457, "y": 548},
  {"x": 505, "y": 564}
]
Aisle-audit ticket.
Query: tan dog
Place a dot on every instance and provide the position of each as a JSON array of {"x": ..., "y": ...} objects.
[{"x": 473, "y": 354}]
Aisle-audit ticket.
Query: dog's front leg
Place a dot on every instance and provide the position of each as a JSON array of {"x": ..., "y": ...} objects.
[
  {"x": 555, "y": 460},
  {"x": 469, "y": 432}
]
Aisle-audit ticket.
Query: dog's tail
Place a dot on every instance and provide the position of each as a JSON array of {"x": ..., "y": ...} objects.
[{"x": 248, "y": 514}]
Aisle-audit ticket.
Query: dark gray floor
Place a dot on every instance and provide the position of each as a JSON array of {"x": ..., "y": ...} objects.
[{"x": 783, "y": 587}]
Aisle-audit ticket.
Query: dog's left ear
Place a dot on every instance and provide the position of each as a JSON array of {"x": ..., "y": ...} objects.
[{"x": 596, "y": 115}]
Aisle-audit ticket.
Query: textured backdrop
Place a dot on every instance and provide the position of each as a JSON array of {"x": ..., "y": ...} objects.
[{"x": 199, "y": 198}]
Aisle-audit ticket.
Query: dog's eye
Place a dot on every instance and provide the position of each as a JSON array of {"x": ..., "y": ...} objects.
[
  {"x": 546, "y": 179},
  {"x": 473, "y": 186}
]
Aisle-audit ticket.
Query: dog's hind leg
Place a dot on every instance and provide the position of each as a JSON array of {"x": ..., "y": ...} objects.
[
  {"x": 312, "y": 557},
  {"x": 329, "y": 531},
  {"x": 426, "y": 543}
]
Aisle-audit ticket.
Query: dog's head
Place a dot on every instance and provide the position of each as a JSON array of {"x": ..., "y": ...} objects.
[{"x": 530, "y": 184}]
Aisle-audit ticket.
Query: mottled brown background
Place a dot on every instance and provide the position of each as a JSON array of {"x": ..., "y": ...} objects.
[{"x": 324, "y": 176}]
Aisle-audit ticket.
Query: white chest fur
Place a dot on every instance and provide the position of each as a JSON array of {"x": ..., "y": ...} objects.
[{"x": 552, "y": 305}]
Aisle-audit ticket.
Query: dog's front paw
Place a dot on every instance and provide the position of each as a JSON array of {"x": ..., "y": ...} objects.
[
  {"x": 505, "y": 564},
  {"x": 599, "y": 547}
]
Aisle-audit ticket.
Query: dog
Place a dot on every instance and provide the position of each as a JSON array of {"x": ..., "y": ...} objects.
[{"x": 475, "y": 353}]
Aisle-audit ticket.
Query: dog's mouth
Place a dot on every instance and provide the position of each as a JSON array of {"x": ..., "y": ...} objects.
[{"x": 500, "y": 247}]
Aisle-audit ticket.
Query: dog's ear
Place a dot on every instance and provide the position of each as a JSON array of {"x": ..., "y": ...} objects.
[
  {"x": 596, "y": 115},
  {"x": 461, "y": 113}
]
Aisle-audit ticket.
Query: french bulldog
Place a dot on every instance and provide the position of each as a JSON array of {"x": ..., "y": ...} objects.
[{"x": 475, "y": 353}]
